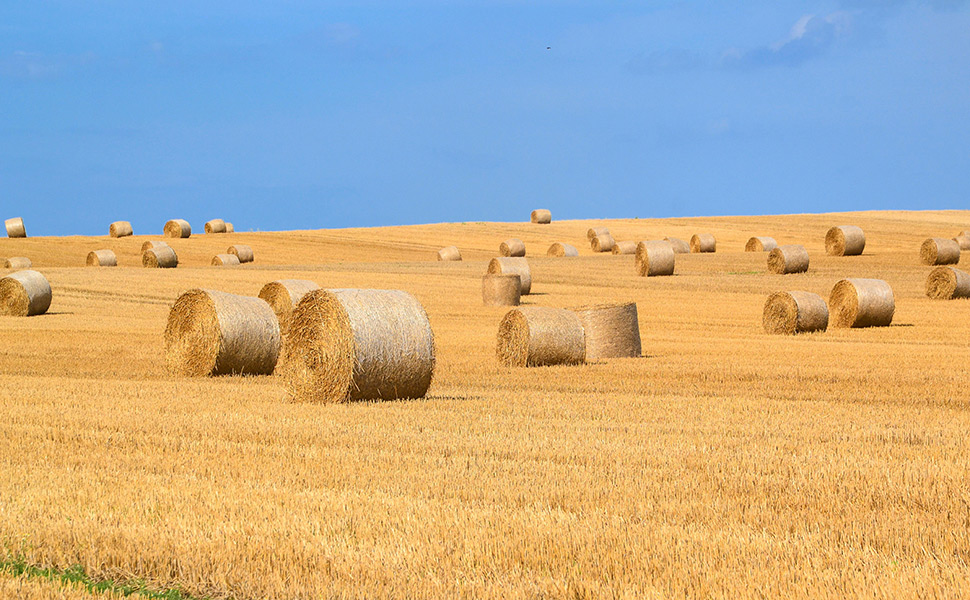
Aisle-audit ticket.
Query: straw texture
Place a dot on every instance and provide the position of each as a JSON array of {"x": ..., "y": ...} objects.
[
  {"x": 345, "y": 345},
  {"x": 561, "y": 249},
  {"x": 654, "y": 258},
  {"x": 160, "y": 258},
  {"x": 595, "y": 231},
  {"x": 626, "y": 247},
  {"x": 514, "y": 266},
  {"x": 760, "y": 244},
  {"x": 283, "y": 295},
  {"x": 15, "y": 228},
  {"x": 24, "y": 294},
  {"x": 449, "y": 253},
  {"x": 963, "y": 240},
  {"x": 225, "y": 260},
  {"x": 611, "y": 330},
  {"x": 243, "y": 252},
  {"x": 102, "y": 258},
  {"x": 215, "y": 226},
  {"x": 790, "y": 258},
  {"x": 703, "y": 242},
  {"x": 948, "y": 283},
  {"x": 678, "y": 245},
  {"x": 789, "y": 313},
  {"x": 536, "y": 336},
  {"x": 215, "y": 333},
  {"x": 602, "y": 243},
  {"x": 861, "y": 303},
  {"x": 845, "y": 240},
  {"x": 230, "y": 228},
  {"x": 150, "y": 244},
  {"x": 501, "y": 290},
  {"x": 512, "y": 247},
  {"x": 17, "y": 262},
  {"x": 541, "y": 216},
  {"x": 177, "y": 228},
  {"x": 939, "y": 251},
  {"x": 120, "y": 229}
]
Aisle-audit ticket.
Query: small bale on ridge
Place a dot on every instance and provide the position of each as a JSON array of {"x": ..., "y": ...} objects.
[
  {"x": 230, "y": 228},
  {"x": 541, "y": 216},
  {"x": 449, "y": 253},
  {"x": 120, "y": 229},
  {"x": 516, "y": 266},
  {"x": 790, "y": 258},
  {"x": 24, "y": 294},
  {"x": 947, "y": 283},
  {"x": 845, "y": 240},
  {"x": 939, "y": 251},
  {"x": 795, "y": 312},
  {"x": 611, "y": 330},
  {"x": 654, "y": 258},
  {"x": 177, "y": 228},
  {"x": 862, "y": 303},
  {"x": 561, "y": 249},
  {"x": 761, "y": 244},
  {"x": 501, "y": 290},
  {"x": 102, "y": 258},
  {"x": 15, "y": 228},
  {"x": 215, "y": 226},
  {"x": 536, "y": 336}
]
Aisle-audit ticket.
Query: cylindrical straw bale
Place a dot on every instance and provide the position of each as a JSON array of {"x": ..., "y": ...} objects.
[
  {"x": 947, "y": 283},
  {"x": 602, "y": 243},
  {"x": 862, "y": 303},
  {"x": 150, "y": 244},
  {"x": 542, "y": 216},
  {"x": 215, "y": 226},
  {"x": 512, "y": 247},
  {"x": 626, "y": 247},
  {"x": 15, "y": 228},
  {"x": 24, "y": 294},
  {"x": 449, "y": 253},
  {"x": 102, "y": 258},
  {"x": 120, "y": 229},
  {"x": 939, "y": 251},
  {"x": 17, "y": 262},
  {"x": 358, "y": 345},
  {"x": 790, "y": 258},
  {"x": 515, "y": 266},
  {"x": 243, "y": 252},
  {"x": 177, "y": 228},
  {"x": 561, "y": 249},
  {"x": 611, "y": 330},
  {"x": 963, "y": 240},
  {"x": 760, "y": 244},
  {"x": 678, "y": 245},
  {"x": 215, "y": 333},
  {"x": 845, "y": 240},
  {"x": 160, "y": 258},
  {"x": 795, "y": 312},
  {"x": 230, "y": 228},
  {"x": 225, "y": 260},
  {"x": 283, "y": 296},
  {"x": 595, "y": 231},
  {"x": 536, "y": 336},
  {"x": 654, "y": 258},
  {"x": 501, "y": 290},
  {"x": 703, "y": 242}
]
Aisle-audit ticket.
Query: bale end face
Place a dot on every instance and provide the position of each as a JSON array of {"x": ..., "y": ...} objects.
[
  {"x": 947, "y": 283},
  {"x": 789, "y": 313},
  {"x": 938, "y": 251},
  {"x": 541, "y": 216}
]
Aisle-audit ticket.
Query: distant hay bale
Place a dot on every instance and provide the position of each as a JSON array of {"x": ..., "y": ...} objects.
[
  {"x": 513, "y": 266},
  {"x": 177, "y": 228},
  {"x": 160, "y": 258},
  {"x": 703, "y": 242},
  {"x": 626, "y": 247},
  {"x": 862, "y": 303},
  {"x": 611, "y": 330},
  {"x": 120, "y": 229},
  {"x": 283, "y": 295},
  {"x": 225, "y": 260},
  {"x": 947, "y": 283},
  {"x": 230, "y": 228},
  {"x": 243, "y": 252},
  {"x": 15, "y": 228},
  {"x": 845, "y": 240},
  {"x": 939, "y": 251},
  {"x": 602, "y": 243},
  {"x": 501, "y": 289},
  {"x": 795, "y": 312},
  {"x": 215, "y": 226},
  {"x": 102, "y": 258},
  {"x": 561, "y": 249},
  {"x": 345, "y": 345},
  {"x": 654, "y": 258},
  {"x": 150, "y": 244},
  {"x": 449, "y": 253},
  {"x": 512, "y": 247},
  {"x": 24, "y": 294},
  {"x": 215, "y": 333},
  {"x": 17, "y": 262},
  {"x": 542, "y": 216},
  {"x": 536, "y": 336},
  {"x": 963, "y": 240},
  {"x": 595, "y": 231},
  {"x": 678, "y": 245},
  {"x": 790, "y": 258},
  {"x": 760, "y": 244}
]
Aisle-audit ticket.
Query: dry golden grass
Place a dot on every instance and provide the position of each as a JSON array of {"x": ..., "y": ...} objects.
[{"x": 726, "y": 462}]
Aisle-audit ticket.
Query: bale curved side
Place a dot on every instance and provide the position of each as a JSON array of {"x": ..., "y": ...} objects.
[
  {"x": 102, "y": 258},
  {"x": 790, "y": 258},
  {"x": 947, "y": 283},
  {"x": 24, "y": 294},
  {"x": 939, "y": 251},
  {"x": 678, "y": 245},
  {"x": 449, "y": 253},
  {"x": 761, "y": 244},
  {"x": 512, "y": 247},
  {"x": 654, "y": 258},
  {"x": 602, "y": 243},
  {"x": 703, "y": 242},
  {"x": 845, "y": 240},
  {"x": 225, "y": 260},
  {"x": 795, "y": 312},
  {"x": 595, "y": 231},
  {"x": 243, "y": 252},
  {"x": 561, "y": 249},
  {"x": 611, "y": 330},
  {"x": 626, "y": 247},
  {"x": 516, "y": 266},
  {"x": 861, "y": 303},
  {"x": 15, "y": 228},
  {"x": 541, "y": 216},
  {"x": 177, "y": 228},
  {"x": 17, "y": 262},
  {"x": 501, "y": 289},
  {"x": 160, "y": 258},
  {"x": 535, "y": 336},
  {"x": 215, "y": 226}
]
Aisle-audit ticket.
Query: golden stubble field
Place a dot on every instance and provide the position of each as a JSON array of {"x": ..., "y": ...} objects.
[{"x": 725, "y": 463}]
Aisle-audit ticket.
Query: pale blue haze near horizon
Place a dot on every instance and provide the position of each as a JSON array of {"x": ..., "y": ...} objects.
[{"x": 302, "y": 115}]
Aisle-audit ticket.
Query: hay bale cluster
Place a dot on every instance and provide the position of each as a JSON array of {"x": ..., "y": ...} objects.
[
  {"x": 177, "y": 228},
  {"x": 512, "y": 247},
  {"x": 15, "y": 228},
  {"x": 654, "y": 258},
  {"x": 102, "y": 258},
  {"x": 534, "y": 336},
  {"x": 845, "y": 240},
  {"x": 939, "y": 251},
  {"x": 24, "y": 294},
  {"x": 449, "y": 253},
  {"x": 501, "y": 289},
  {"x": 514, "y": 266},
  {"x": 790, "y": 258},
  {"x": 560, "y": 249},
  {"x": 795, "y": 312},
  {"x": 541, "y": 216}
]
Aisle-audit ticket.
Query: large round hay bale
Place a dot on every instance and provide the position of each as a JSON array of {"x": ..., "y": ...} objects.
[
  {"x": 611, "y": 330},
  {"x": 939, "y": 251},
  {"x": 215, "y": 226},
  {"x": 515, "y": 266},
  {"x": 845, "y": 240},
  {"x": 177, "y": 228},
  {"x": 15, "y": 228},
  {"x": 512, "y": 247},
  {"x": 225, "y": 260},
  {"x": 102, "y": 258},
  {"x": 283, "y": 296},
  {"x": 654, "y": 258},
  {"x": 151, "y": 244},
  {"x": 790, "y": 258},
  {"x": 24, "y": 294},
  {"x": 602, "y": 243},
  {"x": 243, "y": 252},
  {"x": 561, "y": 249},
  {"x": 120, "y": 229},
  {"x": 542, "y": 216},
  {"x": 795, "y": 312},
  {"x": 678, "y": 245},
  {"x": 501, "y": 290},
  {"x": 160, "y": 258},
  {"x": 760, "y": 244},
  {"x": 449, "y": 253},
  {"x": 862, "y": 303},
  {"x": 625, "y": 247},
  {"x": 230, "y": 228},
  {"x": 536, "y": 336},
  {"x": 947, "y": 283},
  {"x": 595, "y": 231},
  {"x": 963, "y": 241},
  {"x": 17, "y": 262},
  {"x": 358, "y": 345},
  {"x": 215, "y": 333},
  {"x": 703, "y": 242}
]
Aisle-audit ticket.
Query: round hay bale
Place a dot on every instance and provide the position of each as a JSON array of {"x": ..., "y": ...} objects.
[
  {"x": 595, "y": 231},
  {"x": 845, "y": 240},
  {"x": 24, "y": 294},
  {"x": 654, "y": 258},
  {"x": 449, "y": 253},
  {"x": 150, "y": 244},
  {"x": 243, "y": 252},
  {"x": 625, "y": 247},
  {"x": 102, "y": 258},
  {"x": 215, "y": 333},
  {"x": 347, "y": 345},
  {"x": 215, "y": 226},
  {"x": 561, "y": 249},
  {"x": 15, "y": 228},
  {"x": 760, "y": 244},
  {"x": 501, "y": 289},
  {"x": 947, "y": 283},
  {"x": 678, "y": 245},
  {"x": 537, "y": 336},
  {"x": 512, "y": 247},
  {"x": 963, "y": 240},
  {"x": 225, "y": 260},
  {"x": 541, "y": 216},
  {"x": 939, "y": 251},
  {"x": 611, "y": 330},
  {"x": 862, "y": 303},
  {"x": 790, "y": 258},
  {"x": 120, "y": 229},
  {"x": 703, "y": 242},
  {"x": 283, "y": 295},
  {"x": 513, "y": 266},
  {"x": 17, "y": 262},
  {"x": 160, "y": 258},
  {"x": 602, "y": 243},
  {"x": 795, "y": 312},
  {"x": 230, "y": 228},
  {"x": 177, "y": 228}
]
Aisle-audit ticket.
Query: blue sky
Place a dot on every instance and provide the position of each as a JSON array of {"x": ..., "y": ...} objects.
[{"x": 291, "y": 115}]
